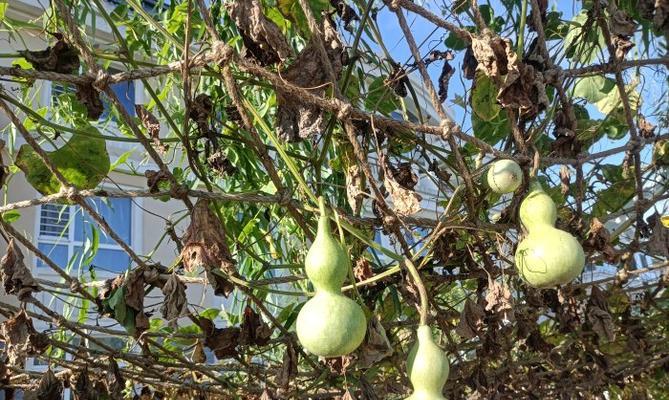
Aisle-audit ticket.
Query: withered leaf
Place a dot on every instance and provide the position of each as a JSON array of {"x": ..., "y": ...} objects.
[
  {"x": 154, "y": 179},
  {"x": 471, "y": 320},
  {"x": 659, "y": 239},
  {"x": 620, "y": 23},
  {"x": 15, "y": 275},
  {"x": 205, "y": 246},
  {"x": 348, "y": 395},
  {"x": 62, "y": 58},
  {"x": 405, "y": 201},
  {"x": 134, "y": 298},
  {"x": 398, "y": 80},
  {"x": 4, "y": 170},
  {"x": 355, "y": 183},
  {"x": 493, "y": 54},
  {"x": 266, "y": 395},
  {"x": 447, "y": 72},
  {"x": 175, "y": 299},
  {"x": 524, "y": 89},
  {"x": 296, "y": 121},
  {"x": 598, "y": 239},
  {"x": 21, "y": 338},
  {"x": 376, "y": 345},
  {"x": 261, "y": 36},
  {"x": 83, "y": 388},
  {"x": 49, "y": 388},
  {"x": 598, "y": 315},
  {"x": 345, "y": 12},
  {"x": 289, "y": 366},
  {"x": 499, "y": 299},
  {"x": 469, "y": 64},
  {"x": 223, "y": 342},
  {"x": 199, "y": 356},
  {"x": 152, "y": 126},
  {"x": 114, "y": 381},
  {"x": 221, "y": 164},
  {"x": 646, "y": 129},
  {"x": 90, "y": 98},
  {"x": 362, "y": 269},
  {"x": 565, "y": 176},
  {"x": 340, "y": 365},
  {"x": 254, "y": 331}
]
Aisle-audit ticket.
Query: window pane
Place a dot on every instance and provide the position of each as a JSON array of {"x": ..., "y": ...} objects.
[
  {"x": 56, "y": 252},
  {"x": 53, "y": 220},
  {"x": 125, "y": 91},
  {"x": 107, "y": 260},
  {"x": 118, "y": 215}
]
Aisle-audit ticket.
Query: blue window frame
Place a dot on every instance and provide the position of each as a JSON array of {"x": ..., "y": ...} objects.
[{"x": 63, "y": 231}]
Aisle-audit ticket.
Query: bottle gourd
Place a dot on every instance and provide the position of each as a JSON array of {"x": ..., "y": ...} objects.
[
  {"x": 427, "y": 366},
  {"x": 504, "y": 176},
  {"x": 329, "y": 324},
  {"x": 547, "y": 256}
]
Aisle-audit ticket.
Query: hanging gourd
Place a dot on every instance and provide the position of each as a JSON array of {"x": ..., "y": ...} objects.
[
  {"x": 547, "y": 256},
  {"x": 427, "y": 367},
  {"x": 504, "y": 176},
  {"x": 329, "y": 324}
]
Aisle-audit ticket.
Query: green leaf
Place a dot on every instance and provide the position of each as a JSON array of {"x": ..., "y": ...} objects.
[
  {"x": 618, "y": 192},
  {"x": 11, "y": 216},
  {"x": 83, "y": 161},
  {"x": 484, "y": 98},
  {"x": 121, "y": 159},
  {"x": 584, "y": 40},
  {"x": 292, "y": 10},
  {"x": 594, "y": 88},
  {"x": 210, "y": 313},
  {"x": 380, "y": 97},
  {"x": 3, "y": 9}
]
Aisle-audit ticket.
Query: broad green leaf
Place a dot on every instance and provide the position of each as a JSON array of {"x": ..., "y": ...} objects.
[
  {"x": 121, "y": 160},
  {"x": 380, "y": 97},
  {"x": 584, "y": 40},
  {"x": 83, "y": 161},
  {"x": 594, "y": 88},
  {"x": 484, "y": 98},
  {"x": 11, "y": 216}
]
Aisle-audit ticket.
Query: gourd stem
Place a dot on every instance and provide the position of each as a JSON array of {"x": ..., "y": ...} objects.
[
  {"x": 321, "y": 206},
  {"x": 422, "y": 292}
]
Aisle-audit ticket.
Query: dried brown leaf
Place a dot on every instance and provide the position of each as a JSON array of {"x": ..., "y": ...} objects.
[
  {"x": 83, "y": 388},
  {"x": 21, "y": 339},
  {"x": 154, "y": 179},
  {"x": 15, "y": 275},
  {"x": 376, "y": 345},
  {"x": 62, "y": 57},
  {"x": 471, "y": 320},
  {"x": 288, "y": 369},
  {"x": 659, "y": 239},
  {"x": 90, "y": 98},
  {"x": 205, "y": 246},
  {"x": 174, "y": 304},
  {"x": 355, "y": 185},
  {"x": 493, "y": 54},
  {"x": 199, "y": 356},
  {"x": 362, "y": 269},
  {"x": 297, "y": 121},
  {"x": 405, "y": 201},
  {"x": 254, "y": 331},
  {"x": 499, "y": 299},
  {"x": 261, "y": 36},
  {"x": 598, "y": 315},
  {"x": 152, "y": 126},
  {"x": 646, "y": 129},
  {"x": 565, "y": 176},
  {"x": 114, "y": 380},
  {"x": 49, "y": 388},
  {"x": 223, "y": 342}
]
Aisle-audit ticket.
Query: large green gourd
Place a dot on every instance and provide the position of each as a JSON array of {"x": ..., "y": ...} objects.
[
  {"x": 330, "y": 324},
  {"x": 547, "y": 257},
  {"x": 427, "y": 367}
]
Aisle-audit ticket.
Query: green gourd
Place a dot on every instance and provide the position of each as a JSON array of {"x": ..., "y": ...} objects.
[
  {"x": 83, "y": 161},
  {"x": 547, "y": 256},
  {"x": 427, "y": 366},
  {"x": 329, "y": 324},
  {"x": 504, "y": 176}
]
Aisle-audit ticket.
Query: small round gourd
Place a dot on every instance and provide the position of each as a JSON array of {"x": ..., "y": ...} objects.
[
  {"x": 547, "y": 256},
  {"x": 427, "y": 367},
  {"x": 329, "y": 324},
  {"x": 504, "y": 176}
]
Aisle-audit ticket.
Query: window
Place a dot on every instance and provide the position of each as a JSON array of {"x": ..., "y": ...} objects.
[
  {"x": 125, "y": 92},
  {"x": 63, "y": 232}
]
